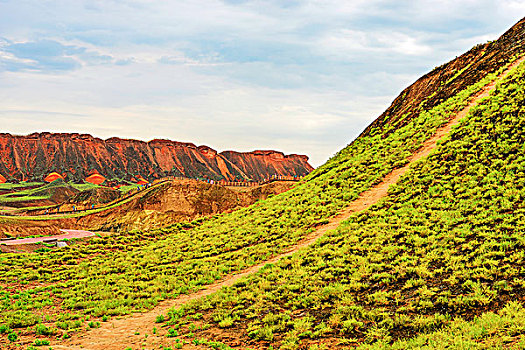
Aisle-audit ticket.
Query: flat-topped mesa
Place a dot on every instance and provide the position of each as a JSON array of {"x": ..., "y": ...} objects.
[
  {"x": 118, "y": 140},
  {"x": 275, "y": 155},
  {"x": 79, "y": 156},
  {"x": 207, "y": 151},
  {"x": 302, "y": 157}
]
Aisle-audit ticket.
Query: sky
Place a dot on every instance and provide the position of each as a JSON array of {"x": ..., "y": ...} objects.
[{"x": 296, "y": 76}]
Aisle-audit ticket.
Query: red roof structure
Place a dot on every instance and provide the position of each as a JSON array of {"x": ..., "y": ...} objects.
[{"x": 142, "y": 181}]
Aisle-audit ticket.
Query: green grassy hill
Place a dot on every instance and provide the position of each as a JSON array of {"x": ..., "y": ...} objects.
[
  {"x": 443, "y": 248},
  {"x": 446, "y": 246},
  {"x": 54, "y": 192}
]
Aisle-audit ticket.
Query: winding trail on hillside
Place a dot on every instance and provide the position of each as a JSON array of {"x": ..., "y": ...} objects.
[{"x": 122, "y": 333}]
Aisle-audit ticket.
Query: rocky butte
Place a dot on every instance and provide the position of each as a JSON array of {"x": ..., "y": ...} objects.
[{"x": 78, "y": 156}]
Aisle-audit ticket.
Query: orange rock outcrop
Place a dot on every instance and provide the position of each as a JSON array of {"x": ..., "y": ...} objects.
[
  {"x": 95, "y": 179},
  {"x": 53, "y": 176}
]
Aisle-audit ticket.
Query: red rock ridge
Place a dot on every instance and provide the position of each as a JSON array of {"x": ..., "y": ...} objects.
[
  {"x": 268, "y": 163},
  {"x": 80, "y": 155}
]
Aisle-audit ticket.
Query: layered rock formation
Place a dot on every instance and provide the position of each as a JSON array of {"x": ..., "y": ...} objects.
[
  {"x": 77, "y": 156},
  {"x": 53, "y": 177}
]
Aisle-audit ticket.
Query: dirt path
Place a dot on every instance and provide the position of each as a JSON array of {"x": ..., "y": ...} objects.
[
  {"x": 67, "y": 235},
  {"x": 121, "y": 333}
]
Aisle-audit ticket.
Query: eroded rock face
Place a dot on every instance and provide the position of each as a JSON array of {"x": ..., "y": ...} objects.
[
  {"x": 78, "y": 155},
  {"x": 53, "y": 177},
  {"x": 267, "y": 163},
  {"x": 95, "y": 179}
]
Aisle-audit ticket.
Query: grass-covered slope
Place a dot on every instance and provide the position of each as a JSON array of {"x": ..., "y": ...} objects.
[
  {"x": 122, "y": 273},
  {"x": 446, "y": 245},
  {"x": 55, "y": 191}
]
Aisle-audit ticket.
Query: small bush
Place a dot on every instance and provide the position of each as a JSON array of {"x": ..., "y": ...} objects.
[
  {"x": 92, "y": 324},
  {"x": 172, "y": 333},
  {"x": 41, "y": 329},
  {"x": 12, "y": 337},
  {"x": 42, "y": 342},
  {"x": 21, "y": 319}
]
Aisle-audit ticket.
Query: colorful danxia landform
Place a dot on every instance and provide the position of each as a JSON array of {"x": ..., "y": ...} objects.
[
  {"x": 77, "y": 156},
  {"x": 410, "y": 237}
]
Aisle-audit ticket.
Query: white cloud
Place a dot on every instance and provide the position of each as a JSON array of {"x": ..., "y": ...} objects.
[{"x": 348, "y": 44}]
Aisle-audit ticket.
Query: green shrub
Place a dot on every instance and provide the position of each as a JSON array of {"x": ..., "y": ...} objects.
[
  {"x": 12, "y": 337},
  {"x": 40, "y": 342},
  {"x": 4, "y": 329},
  {"x": 41, "y": 329}
]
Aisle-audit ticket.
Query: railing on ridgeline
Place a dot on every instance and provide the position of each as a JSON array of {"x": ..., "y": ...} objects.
[{"x": 241, "y": 183}]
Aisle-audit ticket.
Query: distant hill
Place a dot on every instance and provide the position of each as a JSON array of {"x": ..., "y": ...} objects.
[
  {"x": 55, "y": 192},
  {"x": 172, "y": 202},
  {"x": 165, "y": 204},
  {"x": 78, "y": 155}
]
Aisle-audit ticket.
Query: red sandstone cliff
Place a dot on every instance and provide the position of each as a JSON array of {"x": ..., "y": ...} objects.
[{"x": 78, "y": 155}]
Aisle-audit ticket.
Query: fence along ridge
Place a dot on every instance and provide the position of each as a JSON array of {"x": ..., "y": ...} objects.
[{"x": 242, "y": 183}]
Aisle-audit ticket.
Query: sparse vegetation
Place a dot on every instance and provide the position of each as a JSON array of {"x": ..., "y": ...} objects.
[{"x": 33, "y": 193}]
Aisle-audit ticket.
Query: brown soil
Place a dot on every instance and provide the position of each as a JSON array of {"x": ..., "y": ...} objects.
[
  {"x": 96, "y": 195},
  {"x": 15, "y": 228},
  {"x": 176, "y": 201},
  {"x": 21, "y": 248}
]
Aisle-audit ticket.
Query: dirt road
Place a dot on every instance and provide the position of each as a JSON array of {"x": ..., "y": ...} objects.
[{"x": 67, "y": 235}]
